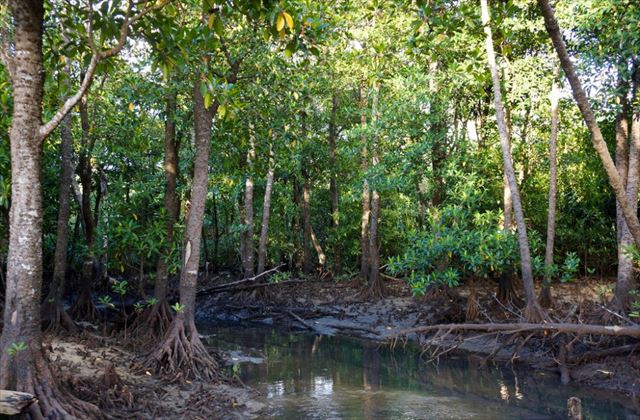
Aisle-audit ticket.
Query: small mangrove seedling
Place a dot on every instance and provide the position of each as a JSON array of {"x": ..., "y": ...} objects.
[
  {"x": 120, "y": 287},
  {"x": 138, "y": 307},
  {"x": 177, "y": 307},
  {"x": 108, "y": 302},
  {"x": 15, "y": 348},
  {"x": 151, "y": 302}
]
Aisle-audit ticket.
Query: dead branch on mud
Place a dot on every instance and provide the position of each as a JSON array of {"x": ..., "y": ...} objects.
[
  {"x": 236, "y": 284},
  {"x": 581, "y": 329}
]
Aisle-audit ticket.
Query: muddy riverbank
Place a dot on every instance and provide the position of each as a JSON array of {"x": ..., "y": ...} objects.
[{"x": 340, "y": 308}]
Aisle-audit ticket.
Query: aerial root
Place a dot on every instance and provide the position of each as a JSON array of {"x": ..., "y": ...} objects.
[
  {"x": 152, "y": 325},
  {"x": 182, "y": 356}
]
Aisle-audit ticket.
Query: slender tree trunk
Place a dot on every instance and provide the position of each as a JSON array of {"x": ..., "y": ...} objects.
[
  {"x": 438, "y": 139},
  {"x": 506, "y": 289},
  {"x": 333, "y": 186},
  {"x": 84, "y": 308},
  {"x": 617, "y": 184},
  {"x": 248, "y": 261},
  {"x": 545, "y": 293},
  {"x": 28, "y": 370},
  {"x": 266, "y": 213},
  {"x": 54, "y": 314},
  {"x": 307, "y": 260},
  {"x": 216, "y": 231},
  {"x": 322, "y": 258},
  {"x": 171, "y": 201},
  {"x": 181, "y": 351},
  {"x": 533, "y": 311},
  {"x": 375, "y": 282},
  {"x": 622, "y": 152},
  {"x": 366, "y": 197},
  {"x": 626, "y": 276}
]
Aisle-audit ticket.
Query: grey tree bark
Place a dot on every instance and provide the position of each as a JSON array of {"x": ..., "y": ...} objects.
[
  {"x": 248, "y": 261},
  {"x": 366, "y": 197},
  {"x": 626, "y": 280},
  {"x": 554, "y": 97},
  {"x": 171, "y": 200},
  {"x": 375, "y": 282},
  {"x": 266, "y": 214},
  {"x": 597, "y": 139},
  {"x": 28, "y": 371},
  {"x": 333, "y": 185},
  {"x": 533, "y": 312}
]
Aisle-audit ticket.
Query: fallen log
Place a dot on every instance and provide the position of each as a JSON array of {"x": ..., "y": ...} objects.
[
  {"x": 596, "y": 354},
  {"x": 302, "y": 321},
  {"x": 13, "y": 402},
  {"x": 240, "y": 287},
  {"x": 580, "y": 329},
  {"x": 216, "y": 288}
]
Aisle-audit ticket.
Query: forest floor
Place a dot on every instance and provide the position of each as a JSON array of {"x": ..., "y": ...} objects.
[
  {"x": 101, "y": 371},
  {"x": 329, "y": 307}
]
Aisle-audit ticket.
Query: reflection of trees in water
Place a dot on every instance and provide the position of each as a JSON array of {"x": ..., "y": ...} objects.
[
  {"x": 371, "y": 361},
  {"x": 517, "y": 388},
  {"x": 338, "y": 370}
]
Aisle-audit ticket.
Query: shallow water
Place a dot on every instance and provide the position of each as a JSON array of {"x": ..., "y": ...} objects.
[{"x": 304, "y": 376}]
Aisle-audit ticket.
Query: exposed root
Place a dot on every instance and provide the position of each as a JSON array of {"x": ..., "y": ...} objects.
[
  {"x": 84, "y": 309},
  {"x": 153, "y": 323},
  {"x": 506, "y": 287},
  {"x": 108, "y": 390},
  {"x": 534, "y": 314},
  {"x": 55, "y": 318},
  {"x": 181, "y": 354},
  {"x": 28, "y": 371},
  {"x": 473, "y": 307},
  {"x": 545, "y": 299}
]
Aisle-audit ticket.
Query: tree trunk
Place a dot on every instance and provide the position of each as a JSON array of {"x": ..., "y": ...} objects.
[
  {"x": 266, "y": 213},
  {"x": 216, "y": 231},
  {"x": 617, "y": 184},
  {"x": 333, "y": 187},
  {"x": 181, "y": 351},
  {"x": 366, "y": 197},
  {"x": 438, "y": 138},
  {"x": 171, "y": 200},
  {"x": 545, "y": 293},
  {"x": 53, "y": 313},
  {"x": 84, "y": 308},
  {"x": 322, "y": 258},
  {"x": 375, "y": 282},
  {"x": 28, "y": 370},
  {"x": 248, "y": 260},
  {"x": 622, "y": 151},
  {"x": 307, "y": 261},
  {"x": 533, "y": 312},
  {"x": 626, "y": 276}
]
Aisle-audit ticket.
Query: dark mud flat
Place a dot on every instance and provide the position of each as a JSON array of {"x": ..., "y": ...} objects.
[
  {"x": 305, "y": 375},
  {"x": 330, "y": 308}
]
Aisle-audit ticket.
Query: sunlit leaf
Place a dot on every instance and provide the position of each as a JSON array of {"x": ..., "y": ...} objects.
[
  {"x": 280, "y": 22},
  {"x": 288, "y": 19}
]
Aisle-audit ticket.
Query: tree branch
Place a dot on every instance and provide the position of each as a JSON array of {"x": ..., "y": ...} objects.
[{"x": 97, "y": 56}]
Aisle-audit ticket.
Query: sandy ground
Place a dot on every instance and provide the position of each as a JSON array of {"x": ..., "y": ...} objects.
[{"x": 85, "y": 364}]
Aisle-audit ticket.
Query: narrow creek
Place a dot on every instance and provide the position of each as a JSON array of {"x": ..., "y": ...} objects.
[{"x": 306, "y": 376}]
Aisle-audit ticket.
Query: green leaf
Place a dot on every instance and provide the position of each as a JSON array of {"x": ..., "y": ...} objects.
[{"x": 222, "y": 111}]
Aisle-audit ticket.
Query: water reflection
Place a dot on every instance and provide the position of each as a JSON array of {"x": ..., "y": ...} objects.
[{"x": 321, "y": 377}]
